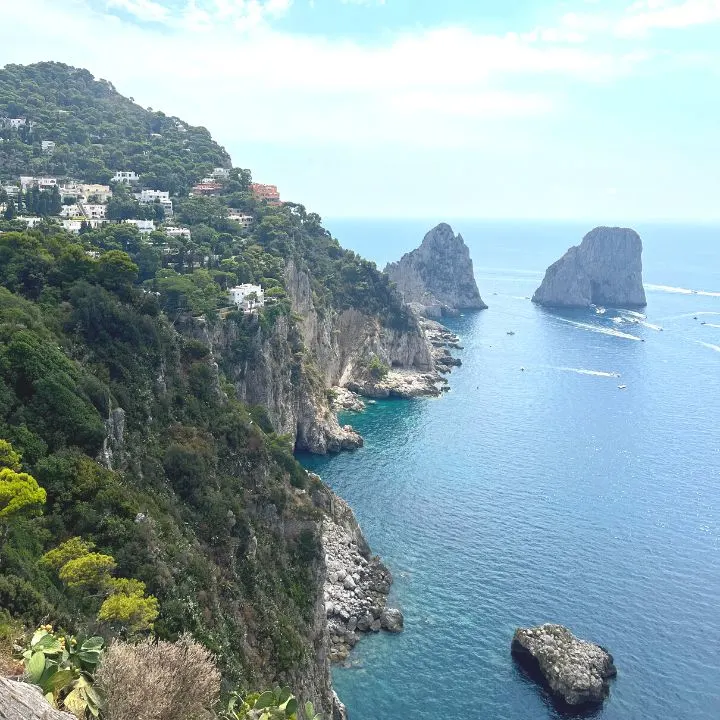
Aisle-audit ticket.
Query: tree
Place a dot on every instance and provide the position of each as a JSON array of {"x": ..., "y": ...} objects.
[
  {"x": 116, "y": 271},
  {"x": 19, "y": 494},
  {"x": 8, "y": 457},
  {"x": 55, "y": 201},
  {"x": 10, "y": 211}
]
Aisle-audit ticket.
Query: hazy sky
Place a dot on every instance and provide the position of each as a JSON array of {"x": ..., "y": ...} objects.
[{"x": 602, "y": 109}]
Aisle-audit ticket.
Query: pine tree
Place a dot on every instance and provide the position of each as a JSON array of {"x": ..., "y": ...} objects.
[
  {"x": 55, "y": 201},
  {"x": 20, "y": 201},
  {"x": 10, "y": 211}
]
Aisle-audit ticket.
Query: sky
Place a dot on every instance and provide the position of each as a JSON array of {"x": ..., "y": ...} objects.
[{"x": 605, "y": 110}]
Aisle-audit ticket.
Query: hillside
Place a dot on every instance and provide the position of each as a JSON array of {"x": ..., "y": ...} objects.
[
  {"x": 148, "y": 424},
  {"x": 97, "y": 131}
]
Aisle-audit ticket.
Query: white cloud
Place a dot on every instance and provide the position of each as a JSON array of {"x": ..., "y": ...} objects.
[
  {"x": 647, "y": 15},
  {"x": 145, "y": 10}
]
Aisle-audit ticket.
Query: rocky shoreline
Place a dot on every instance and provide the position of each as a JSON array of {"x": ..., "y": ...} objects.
[
  {"x": 405, "y": 383},
  {"x": 356, "y": 586}
]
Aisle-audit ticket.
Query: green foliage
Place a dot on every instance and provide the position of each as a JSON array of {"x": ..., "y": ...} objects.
[
  {"x": 8, "y": 457},
  {"x": 377, "y": 368},
  {"x": 64, "y": 668},
  {"x": 133, "y": 611},
  {"x": 97, "y": 131},
  {"x": 19, "y": 493},
  {"x": 71, "y": 549},
  {"x": 277, "y": 704},
  {"x": 88, "y": 572}
]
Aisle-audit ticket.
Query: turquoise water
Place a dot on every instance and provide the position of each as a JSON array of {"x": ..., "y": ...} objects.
[{"x": 548, "y": 494}]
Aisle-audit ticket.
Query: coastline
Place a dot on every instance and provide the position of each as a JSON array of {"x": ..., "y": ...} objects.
[{"x": 357, "y": 583}]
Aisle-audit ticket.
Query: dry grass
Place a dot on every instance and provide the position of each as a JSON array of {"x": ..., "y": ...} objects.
[{"x": 159, "y": 681}]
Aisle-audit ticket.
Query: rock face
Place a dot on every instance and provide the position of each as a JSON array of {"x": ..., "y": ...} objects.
[
  {"x": 605, "y": 269},
  {"x": 576, "y": 671},
  {"x": 437, "y": 278},
  {"x": 20, "y": 701},
  {"x": 356, "y": 585}
]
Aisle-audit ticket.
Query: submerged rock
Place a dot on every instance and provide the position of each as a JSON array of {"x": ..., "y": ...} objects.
[
  {"x": 437, "y": 278},
  {"x": 605, "y": 269},
  {"x": 575, "y": 670}
]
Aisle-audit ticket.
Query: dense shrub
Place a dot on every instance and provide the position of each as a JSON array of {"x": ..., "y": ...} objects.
[{"x": 162, "y": 680}]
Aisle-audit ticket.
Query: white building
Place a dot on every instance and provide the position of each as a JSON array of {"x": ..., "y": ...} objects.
[
  {"x": 12, "y": 190},
  {"x": 101, "y": 192},
  {"x": 44, "y": 183},
  {"x": 70, "y": 211},
  {"x": 14, "y": 123},
  {"x": 149, "y": 197},
  {"x": 30, "y": 221},
  {"x": 174, "y": 231},
  {"x": 96, "y": 212},
  {"x": 239, "y": 296},
  {"x": 144, "y": 226},
  {"x": 125, "y": 176},
  {"x": 245, "y": 220},
  {"x": 48, "y": 146},
  {"x": 221, "y": 173},
  {"x": 72, "y": 226}
]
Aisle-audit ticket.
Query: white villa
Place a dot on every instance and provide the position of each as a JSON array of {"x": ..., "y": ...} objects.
[
  {"x": 173, "y": 231},
  {"x": 48, "y": 146},
  {"x": 149, "y": 197},
  {"x": 96, "y": 212},
  {"x": 14, "y": 123},
  {"x": 44, "y": 183},
  {"x": 144, "y": 226},
  {"x": 125, "y": 176},
  {"x": 239, "y": 296},
  {"x": 245, "y": 220},
  {"x": 102, "y": 192}
]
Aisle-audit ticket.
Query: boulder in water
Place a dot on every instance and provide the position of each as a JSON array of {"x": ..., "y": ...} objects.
[{"x": 576, "y": 671}]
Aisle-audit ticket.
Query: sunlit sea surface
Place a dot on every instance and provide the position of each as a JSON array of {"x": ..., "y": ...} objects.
[{"x": 537, "y": 490}]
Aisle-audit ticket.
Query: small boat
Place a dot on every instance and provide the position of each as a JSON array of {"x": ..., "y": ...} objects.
[
  {"x": 510, "y": 332},
  {"x": 622, "y": 387}
]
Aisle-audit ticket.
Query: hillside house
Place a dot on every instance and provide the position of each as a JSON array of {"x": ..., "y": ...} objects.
[
  {"x": 128, "y": 177},
  {"x": 211, "y": 188},
  {"x": 95, "y": 212},
  {"x": 101, "y": 192},
  {"x": 144, "y": 226},
  {"x": 244, "y": 220},
  {"x": 48, "y": 146},
  {"x": 221, "y": 173},
  {"x": 14, "y": 123},
  {"x": 174, "y": 231},
  {"x": 247, "y": 296},
  {"x": 44, "y": 183},
  {"x": 149, "y": 197},
  {"x": 12, "y": 191},
  {"x": 265, "y": 192}
]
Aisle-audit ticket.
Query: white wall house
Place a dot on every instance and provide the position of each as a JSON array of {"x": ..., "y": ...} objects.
[
  {"x": 221, "y": 173},
  {"x": 102, "y": 192},
  {"x": 15, "y": 123},
  {"x": 70, "y": 211},
  {"x": 48, "y": 146},
  {"x": 245, "y": 220},
  {"x": 125, "y": 176},
  {"x": 30, "y": 221},
  {"x": 173, "y": 231},
  {"x": 149, "y": 197},
  {"x": 238, "y": 296},
  {"x": 12, "y": 190},
  {"x": 44, "y": 183},
  {"x": 72, "y": 226},
  {"x": 144, "y": 226},
  {"x": 97, "y": 212}
]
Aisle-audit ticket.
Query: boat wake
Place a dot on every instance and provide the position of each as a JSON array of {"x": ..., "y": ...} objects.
[
  {"x": 583, "y": 371},
  {"x": 681, "y": 291},
  {"x": 712, "y": 325},
  {"x": 716, "y": 348},
  {"x": 600, "y": 330}
]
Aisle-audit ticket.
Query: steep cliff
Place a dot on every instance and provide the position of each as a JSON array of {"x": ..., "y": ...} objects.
[
  {"x": 287, "y": 368},
  {"x": 437, "y": 278},
  {"x": 605, "y": 269}
]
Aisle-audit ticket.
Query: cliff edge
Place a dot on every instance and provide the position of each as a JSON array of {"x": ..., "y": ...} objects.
[
  {"x": 605, "y": 269},
  {"x": 437, "y": 278}
]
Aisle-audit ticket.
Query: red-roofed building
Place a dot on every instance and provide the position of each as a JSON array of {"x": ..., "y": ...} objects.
[
  {"x": 265, "y": 192},
  {"x": 210, "y": 188}
]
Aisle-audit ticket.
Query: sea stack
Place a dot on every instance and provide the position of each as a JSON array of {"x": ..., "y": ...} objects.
[
  {"x": 437, "y": 278},
  {"x": 576, "y": 671},
  {"x": 605, "y": 269}
]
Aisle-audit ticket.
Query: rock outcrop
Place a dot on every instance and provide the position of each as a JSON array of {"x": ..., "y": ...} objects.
[
  {"x": 356, "y": 585},
  {"x": 576, "y": 671},
  {"x": 21, "y": 701},
  {"x": 437, "y": 278},
  {"x": 605, "y": 269}
]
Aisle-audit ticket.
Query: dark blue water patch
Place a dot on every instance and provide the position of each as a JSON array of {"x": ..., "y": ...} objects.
[{"x": 537, "y": 490}]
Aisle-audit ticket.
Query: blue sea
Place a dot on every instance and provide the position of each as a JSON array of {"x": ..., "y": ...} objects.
[{"x": 547, "y": 494}]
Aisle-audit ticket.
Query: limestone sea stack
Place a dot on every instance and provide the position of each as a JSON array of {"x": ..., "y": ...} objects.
[
  {"x": 576, "y": 671},
  {"x": 605, "y": 269},
  {"x": 437, "y": 278}
]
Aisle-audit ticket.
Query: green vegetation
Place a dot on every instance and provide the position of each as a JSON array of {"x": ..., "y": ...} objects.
[
  {"x": 97, "y": 131},
  {"x": 138, "y": 495},
  {"x": 64, "y": 669},
  {"x": 377, "y": 368},
  {"x": 277, "y": 704}
]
